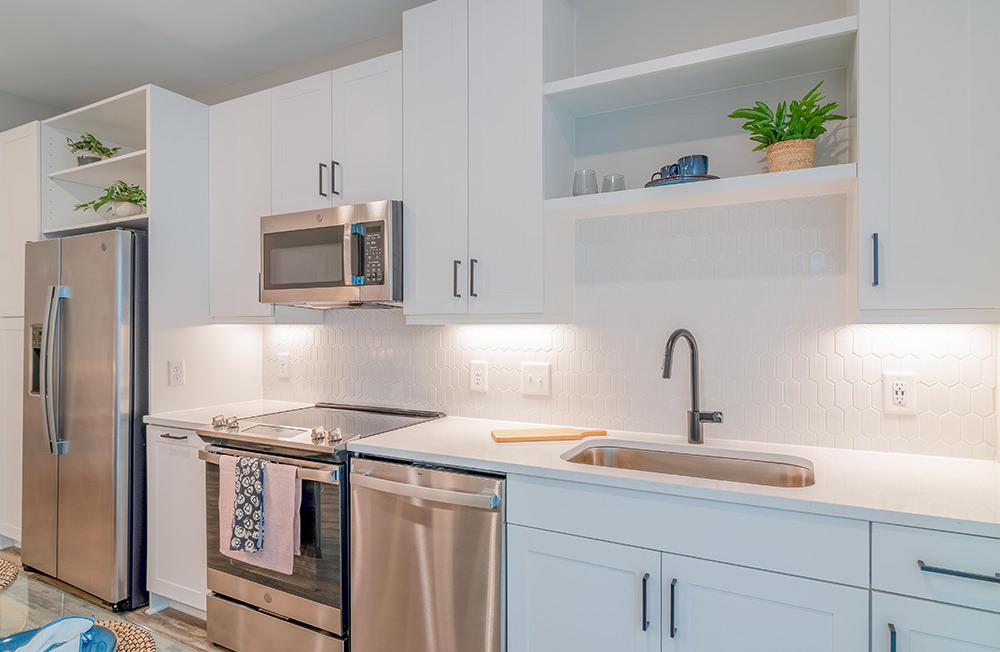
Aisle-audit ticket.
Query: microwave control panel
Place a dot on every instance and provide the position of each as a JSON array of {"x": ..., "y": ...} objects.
[{"x": 374, "y": 253}]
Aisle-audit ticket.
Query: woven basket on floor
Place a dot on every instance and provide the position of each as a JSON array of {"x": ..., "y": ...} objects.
[
  {"x": 131, "y": 638},
  {"x": 8, "y": 573},
  {"x": 791, "y": 155}
]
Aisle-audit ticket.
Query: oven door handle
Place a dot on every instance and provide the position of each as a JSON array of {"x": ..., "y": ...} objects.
[
  {"x": 479, "y": 501},
  {"x": 326, "y": 474}
]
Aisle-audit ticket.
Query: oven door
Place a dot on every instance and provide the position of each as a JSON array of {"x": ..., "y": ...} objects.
[{"x": 314, "y": 593}]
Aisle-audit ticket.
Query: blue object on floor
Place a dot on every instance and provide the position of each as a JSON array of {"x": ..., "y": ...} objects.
[{"x": 97, "y": 639}]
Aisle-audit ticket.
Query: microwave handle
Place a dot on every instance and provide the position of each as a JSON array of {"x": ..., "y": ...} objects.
[
  {"x": 348, "y": 256},
  {"x": 354, "y": 256}
]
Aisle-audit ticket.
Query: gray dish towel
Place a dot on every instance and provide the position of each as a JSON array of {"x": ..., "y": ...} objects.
[{"x": 248, "y": 508}]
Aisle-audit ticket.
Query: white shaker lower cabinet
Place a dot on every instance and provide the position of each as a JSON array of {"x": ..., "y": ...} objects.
[
  {"x": 571, "y": 594},
  {"x": 923, "y": 626},
  {"x": 713, "y": 607},
  {"x": 11, "y": 397},
  {"x": 177, "y": 562}
]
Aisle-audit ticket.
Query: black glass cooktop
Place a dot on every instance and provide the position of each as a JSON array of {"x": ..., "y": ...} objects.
[{"x": 353, "y": 422}]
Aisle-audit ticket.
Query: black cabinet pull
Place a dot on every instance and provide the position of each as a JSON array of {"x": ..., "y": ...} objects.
[
  {"x": 892, "y": 638},
  {"x": 454, "y": 280},
  {"x": 167, "y": 435},
  {"x": 957, "y": 573},
  {"x": 875, "y": 260},
  {"x": 673, "y": 587},
  {"x": 333, "y": 177},
  {"x": 645, "y": 586},
  {"x": 472, "y": 277},
  {"x": 322, "y": 166}
]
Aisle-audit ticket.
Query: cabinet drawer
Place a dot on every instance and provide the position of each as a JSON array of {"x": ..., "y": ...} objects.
[
  {"x": 898, "y": 551},
  {"x": 177, "y": 436},
  {"x": 807, "y": 545}
]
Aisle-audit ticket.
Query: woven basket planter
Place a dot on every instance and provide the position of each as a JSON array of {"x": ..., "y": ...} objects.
[{"x": 791, "y": 155}]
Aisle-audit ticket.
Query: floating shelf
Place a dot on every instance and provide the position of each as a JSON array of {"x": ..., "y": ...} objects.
[
  {"x": 813, "y": 182},
  {"x": 791, "y": 53},
  {"x": 130, "y": 168},
  {"x": 120, "y": 119},
  {"x": 140, "y": 222}
]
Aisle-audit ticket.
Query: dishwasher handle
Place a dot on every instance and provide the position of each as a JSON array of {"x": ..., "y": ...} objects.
[{"x": 479, "y": 501}]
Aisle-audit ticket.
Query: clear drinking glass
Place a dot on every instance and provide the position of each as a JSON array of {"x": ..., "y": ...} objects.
[
  {"x": 613, "y": 182},
  {"x": 584, "y": 183}
]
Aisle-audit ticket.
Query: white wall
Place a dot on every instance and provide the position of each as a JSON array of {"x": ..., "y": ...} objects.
[
  {"x": 762, "y": 286},
  {"x": 16, "y": 110}
]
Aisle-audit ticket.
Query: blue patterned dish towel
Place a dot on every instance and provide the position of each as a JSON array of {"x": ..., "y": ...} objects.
[{"x": 248, "y": 508}]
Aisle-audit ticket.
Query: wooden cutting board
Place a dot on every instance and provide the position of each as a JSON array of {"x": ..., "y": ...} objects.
[{"x": 544, "y": 434}]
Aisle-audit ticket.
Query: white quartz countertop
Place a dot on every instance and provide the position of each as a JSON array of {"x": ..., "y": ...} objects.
[
  {"x": 198, "y": 417},
  {"x": 941, "y": 493}
]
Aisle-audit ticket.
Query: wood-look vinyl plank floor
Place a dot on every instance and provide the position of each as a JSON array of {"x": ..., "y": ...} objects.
[{"x": 34, "y": 600}]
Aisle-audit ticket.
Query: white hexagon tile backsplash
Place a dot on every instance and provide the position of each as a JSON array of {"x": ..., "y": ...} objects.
[{"x": 763, "y": 289}]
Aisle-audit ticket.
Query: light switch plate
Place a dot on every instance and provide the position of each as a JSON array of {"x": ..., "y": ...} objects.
[
  {"x": 536, "y": 378},
  {"x": 283, "y": 365},
  {"x": 899, "y": 392},
  {"x": 479, "y": 380}
]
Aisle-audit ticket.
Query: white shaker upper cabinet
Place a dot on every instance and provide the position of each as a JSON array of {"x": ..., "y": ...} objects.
[
  {"x": 368, "y": 131},
  {"x": 301, "y": 140},
  {"x": 505, "y": 164},
  {"x": 240, "y": 177},
  {"x": 19, "y": 211},
  {"x": 928, "y": 164},
  {"x": 436, "y": 158}
]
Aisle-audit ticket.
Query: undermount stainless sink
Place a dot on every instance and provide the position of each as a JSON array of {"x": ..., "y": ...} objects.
[{"x": 714, "y": 464}]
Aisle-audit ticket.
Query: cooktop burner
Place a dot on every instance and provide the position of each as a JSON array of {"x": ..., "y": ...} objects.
[{"x": 318, "y": 431}]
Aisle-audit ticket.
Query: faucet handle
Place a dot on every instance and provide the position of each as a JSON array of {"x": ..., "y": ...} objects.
[{"x": 710, "y": 417}]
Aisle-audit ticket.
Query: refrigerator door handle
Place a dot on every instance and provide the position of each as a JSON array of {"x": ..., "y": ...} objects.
[{"x": 48, "y": 370}]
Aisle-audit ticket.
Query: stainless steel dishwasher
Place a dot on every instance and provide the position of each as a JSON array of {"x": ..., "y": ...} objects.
[{"x": 426, "y": 571}]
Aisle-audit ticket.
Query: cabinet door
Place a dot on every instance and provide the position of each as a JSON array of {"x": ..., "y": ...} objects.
[
  {"x": 436, "y": 158},
  {"x": 928, "y": 164},
  {"x": 368, "y": 130},
  {"x": 505, "y": 157},
  {"x": 712, "y": 606},
  {"x": 301, "y": 139},
  {"x": 19, "y": 202},
  {"x": 177, "y": 560},
  {"x": 570, "y": 594},
  {"x": 923, "y": 626},
  {"x": 11, "y": 375},
  {"x": 240, "y": 181}
]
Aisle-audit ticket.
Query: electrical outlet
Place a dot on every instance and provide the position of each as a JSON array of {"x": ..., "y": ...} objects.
[
  {"x": 479, "y": 380},
  {"x": 536, "y": 378},
  {"x": 899, "y": 393},
  {"x": 283, "y": 365},
  {"x": 175, "y": 369}
]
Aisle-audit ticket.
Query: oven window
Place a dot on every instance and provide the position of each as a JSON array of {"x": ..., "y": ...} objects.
[
  {"x": 310, "y": 258},
  {"x": 317, "y": 573}
]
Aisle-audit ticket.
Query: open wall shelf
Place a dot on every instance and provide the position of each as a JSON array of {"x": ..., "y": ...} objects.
[
  {"x": 790, "y": 53},
  {"x": 813, "y": 182},
  {"x": 130, "y": 168},
  {"x": 140, "y": 222}
]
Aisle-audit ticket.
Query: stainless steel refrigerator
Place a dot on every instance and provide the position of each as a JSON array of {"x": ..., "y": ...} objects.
[{"x": 85, "y": 393}]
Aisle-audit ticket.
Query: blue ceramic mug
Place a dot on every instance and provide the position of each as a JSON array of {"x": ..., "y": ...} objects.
[{"x": 686, "y": 166}]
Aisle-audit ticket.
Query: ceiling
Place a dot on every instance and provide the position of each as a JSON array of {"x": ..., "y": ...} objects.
[{"x": 68, "y": 53}]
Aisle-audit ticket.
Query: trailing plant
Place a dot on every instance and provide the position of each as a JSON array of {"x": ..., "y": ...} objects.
[
  {"x": 797, "y": 120},
  {"x": 118, "y": 191},
  {"x": 89, "y": 142}
]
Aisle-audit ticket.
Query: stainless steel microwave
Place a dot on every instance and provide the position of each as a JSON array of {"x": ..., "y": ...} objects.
[{"x": 334, "y": 257}]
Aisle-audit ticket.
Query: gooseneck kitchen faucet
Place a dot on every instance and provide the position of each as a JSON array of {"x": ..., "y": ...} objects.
[{"x": 695, "y": 417}]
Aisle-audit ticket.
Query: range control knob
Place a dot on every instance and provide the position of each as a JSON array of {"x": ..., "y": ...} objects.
[
  {"x": 232, "y": 423},
  {"x": 334, "y": 435},
  {"x": 219, "y": 421}
]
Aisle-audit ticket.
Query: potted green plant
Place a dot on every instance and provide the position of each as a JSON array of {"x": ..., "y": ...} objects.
[
  {"x": 789, "y": 132},
  {"x": 90, "y": 150},
  {"x": 126, "y": 200}
]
